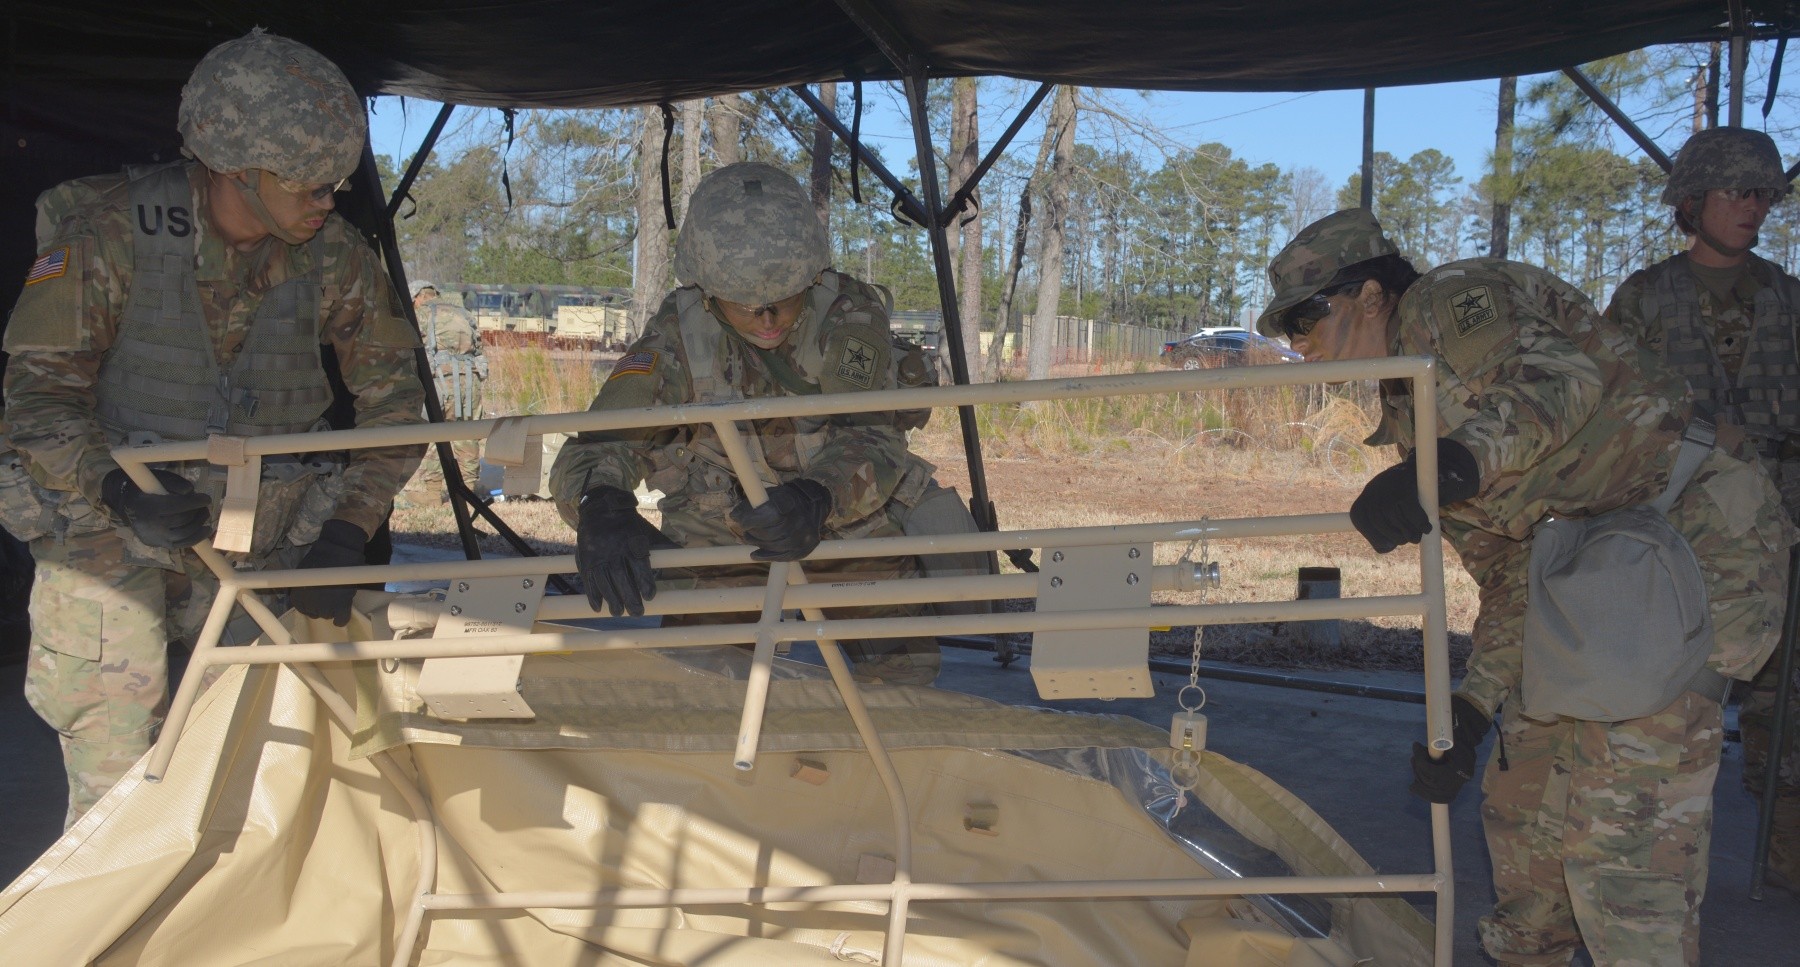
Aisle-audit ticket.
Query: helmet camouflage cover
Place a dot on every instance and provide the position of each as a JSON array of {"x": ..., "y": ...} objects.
[
  {"x": 267, "y": 102},
  {"x": 1316, "y": 255},
  {"x": 750, "y": 236},
  {"x": 1725, "y": 158}
]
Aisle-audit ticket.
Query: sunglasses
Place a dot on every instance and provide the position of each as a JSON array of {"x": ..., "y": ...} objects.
[{"x": 1303, "y": 318}]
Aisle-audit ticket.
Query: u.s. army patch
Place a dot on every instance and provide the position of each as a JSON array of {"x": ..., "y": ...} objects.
[
  {"x": 1471, "y": 309},
  {"x": 1468, "y": 338},
  {"x": 856, "y": 363}
]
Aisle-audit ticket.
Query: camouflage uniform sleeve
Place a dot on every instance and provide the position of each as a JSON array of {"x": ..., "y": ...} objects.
[
  {"x": 368, "y": 330},
  {"x": 1498, "y": 566},
  {"x": 864, "y": 455},
  {"x": 651, "y": 373},
  {"x": 57, "y": 336},
  {"x": 1625, "y": 311},
  {"x": 1532, "y": 387}
]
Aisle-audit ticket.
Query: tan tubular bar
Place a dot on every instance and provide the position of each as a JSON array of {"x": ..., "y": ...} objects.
[
  {"x": 1220, "y": 529},
  {"x": 787, "y": 589}
]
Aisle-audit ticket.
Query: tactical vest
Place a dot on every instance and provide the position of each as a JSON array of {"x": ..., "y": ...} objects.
[
  {"x": 161, "y": 381},
  {"x": 703, "y": 339},
  {"x": 1765, "y": 397},
  {"x": 458, "y": 375},
  {"x": 700, "y": 458}
]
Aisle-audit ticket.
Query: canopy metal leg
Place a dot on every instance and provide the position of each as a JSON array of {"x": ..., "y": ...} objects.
[{"x": 1778, "y": 729}]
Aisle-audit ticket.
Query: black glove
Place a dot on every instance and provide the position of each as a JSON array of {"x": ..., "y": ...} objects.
[
  {"x": 1439, "y": 780},
  {"x": 340, "y": 544},
  {"x": 173, "y": 520},
  {"x": 612, "y": 551},
  {"x": 789, "y": 524},
  {"x": 1388, "y": 512}
]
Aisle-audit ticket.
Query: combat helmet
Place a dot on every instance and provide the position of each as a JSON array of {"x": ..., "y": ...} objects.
[
  {"x": 750, "y": 236},
  {"x": 266, "y": 103},
  {"x": 1725, "y": 158}
]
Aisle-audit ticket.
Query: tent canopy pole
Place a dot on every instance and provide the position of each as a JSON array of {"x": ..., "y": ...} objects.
[{"x": 1619, "y": 117}]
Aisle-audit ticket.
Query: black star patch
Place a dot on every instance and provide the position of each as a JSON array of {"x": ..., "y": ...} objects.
[{"x": 1472, "y": 308}]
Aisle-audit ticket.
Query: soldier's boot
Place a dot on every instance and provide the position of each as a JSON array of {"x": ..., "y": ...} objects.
[
  {"x": 901, "y": 661},
  {"x": 1784, "y": 845}
]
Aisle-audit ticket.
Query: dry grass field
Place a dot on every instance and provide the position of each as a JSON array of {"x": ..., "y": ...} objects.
[{"x": 1247, "y": 453}]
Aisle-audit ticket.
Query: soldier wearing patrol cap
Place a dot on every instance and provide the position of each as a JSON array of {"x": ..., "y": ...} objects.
[
  {"x": 1598, "y": 831},
  {"x": 176, "y": 302},
  {"x": 760, "y": 314},
  {"x": 1725, "y": 320},
  {"x": 460, "y": 367}
]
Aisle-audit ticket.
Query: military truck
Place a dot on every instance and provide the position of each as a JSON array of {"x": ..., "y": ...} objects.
[
  {"x": 923, "y": 328},
  {"x": 554, "y": 316}
]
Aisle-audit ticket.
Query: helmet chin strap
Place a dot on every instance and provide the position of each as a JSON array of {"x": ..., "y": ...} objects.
[
  {"x": 251, "y": 189},
  {"x": 1712, "y": 241}
]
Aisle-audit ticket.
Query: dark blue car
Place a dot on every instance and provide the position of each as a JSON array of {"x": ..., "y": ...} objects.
[{"x": 1226, "y": 346}]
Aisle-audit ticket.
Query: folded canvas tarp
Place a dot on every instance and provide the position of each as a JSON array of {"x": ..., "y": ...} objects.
[{"x": 273, "y": 840}]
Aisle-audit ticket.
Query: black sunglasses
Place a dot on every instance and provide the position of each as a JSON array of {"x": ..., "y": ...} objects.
[{"x": 1303, "y": 318}]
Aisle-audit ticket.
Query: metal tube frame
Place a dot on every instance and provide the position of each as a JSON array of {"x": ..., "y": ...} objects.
[{"x": 787, "y": 588}]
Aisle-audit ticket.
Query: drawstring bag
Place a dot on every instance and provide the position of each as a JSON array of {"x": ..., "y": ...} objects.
[{"x": 1616, "y": 619}]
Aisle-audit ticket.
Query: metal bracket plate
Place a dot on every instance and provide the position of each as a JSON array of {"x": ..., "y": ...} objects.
[
  {"x": 1102, "y": 663},
  {"x": 484, "y": 687}
]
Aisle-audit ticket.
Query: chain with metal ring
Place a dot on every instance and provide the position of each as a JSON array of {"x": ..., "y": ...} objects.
[{"x": 1184, "y": 772}]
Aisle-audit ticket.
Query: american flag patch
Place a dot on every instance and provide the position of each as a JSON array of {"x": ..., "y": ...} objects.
[
  {"x": 634, "y": 364},
  {"x": 50, "y": 265}
]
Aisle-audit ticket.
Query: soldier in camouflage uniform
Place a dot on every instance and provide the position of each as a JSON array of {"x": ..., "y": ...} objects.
[
  {"x": 1725, "y": 320},
  {"x": 1598, "y": 831},
  {"x": 453, "y": 344},
  {"x": 761, "y": 315},
  {"x": 176, "y": 302}
]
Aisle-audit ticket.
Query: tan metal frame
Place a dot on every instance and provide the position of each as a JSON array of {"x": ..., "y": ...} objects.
[{"x": 787, "y": 589}]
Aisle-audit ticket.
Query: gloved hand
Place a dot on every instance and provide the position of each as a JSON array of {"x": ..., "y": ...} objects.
[
  {"x": 340, "y": 544},
  {"x": 1439, "y": 780},
  {"x": 173, "y": 520},
  {"x": 788, "y": 525},
  {"x": 1388, "y": 513},
  {"x": 612, "y": 551}
]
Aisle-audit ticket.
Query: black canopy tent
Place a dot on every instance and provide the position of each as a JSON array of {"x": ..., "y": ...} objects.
[
  {"x": 90, "y": 85},
  {"x": 93, "y": 85}
]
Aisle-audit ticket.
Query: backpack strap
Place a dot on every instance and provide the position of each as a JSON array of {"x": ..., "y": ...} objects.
[{"x": 1696, "y": 442}]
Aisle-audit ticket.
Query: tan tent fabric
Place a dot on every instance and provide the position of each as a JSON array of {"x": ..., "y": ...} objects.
[
  {"x": 269, "y": 844},
  {"x": 692, "y": 700}
]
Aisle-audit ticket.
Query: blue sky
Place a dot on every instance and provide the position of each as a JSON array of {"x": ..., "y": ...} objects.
[{"x": 1321, "y": 129}]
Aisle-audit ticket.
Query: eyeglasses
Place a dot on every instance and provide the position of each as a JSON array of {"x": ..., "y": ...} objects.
[
  {"x": 317, "y": 193},
  {"x": 1303, "y": 318},
  {"x": 1770, "y": 195},
  {"x": 754, "y": 312}
]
